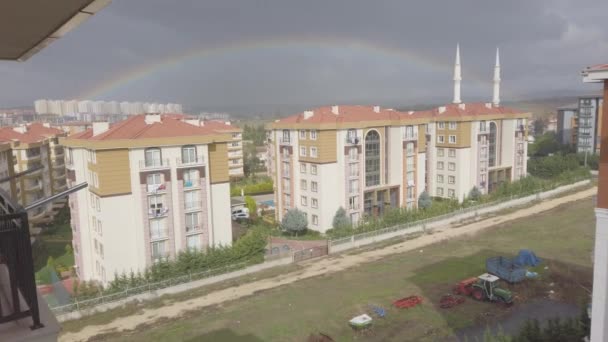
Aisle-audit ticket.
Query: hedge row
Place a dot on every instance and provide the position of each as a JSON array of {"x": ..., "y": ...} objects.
[{"x": 252, "y": 189}]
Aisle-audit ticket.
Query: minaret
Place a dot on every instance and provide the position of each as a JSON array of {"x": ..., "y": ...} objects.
[
  {"x": 457, "y": 76},
  {"x": 496, "y": 96}
]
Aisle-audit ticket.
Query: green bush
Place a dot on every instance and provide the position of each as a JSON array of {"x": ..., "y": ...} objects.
[{"x": 263, "y": 187}]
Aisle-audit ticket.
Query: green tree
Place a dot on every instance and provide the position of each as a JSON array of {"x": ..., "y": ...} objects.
[
  {"x": 424, "y": 201},
  {"x": 340, "y": 219},
  {"x": 68, "y": 249},
  {"x": 294, "y": 222},
  {"x": 251, "y": 206},
  {"x": 251, "y": 162},
  {"x": 475, "y": 194},
  {"x": 50, "y": 263}
]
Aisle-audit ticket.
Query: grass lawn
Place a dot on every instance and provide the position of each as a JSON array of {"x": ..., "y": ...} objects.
[{"x": 563, "y": 237}]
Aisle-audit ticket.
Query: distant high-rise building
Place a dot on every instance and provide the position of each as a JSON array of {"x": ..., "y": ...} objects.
[
  {"x": 567, "y": 124},
  {"x": 589, "y": 119}
]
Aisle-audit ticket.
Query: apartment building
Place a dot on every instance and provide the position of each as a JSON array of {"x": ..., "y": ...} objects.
[
  {"x": 235, "y": 147},
  {"x": 367, "y": 159},
  {"x": 589, "y": 124},
  {"x": 567, "y": 124},
  {"x": 36, "y": 146},
  {"x": 158, "y": 185}
]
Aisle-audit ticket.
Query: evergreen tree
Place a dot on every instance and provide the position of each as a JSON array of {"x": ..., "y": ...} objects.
[
  {"x": 340, "y": 219},
  {"x": 424, "y": 201},
  {"x": 475, "y": 194},
  {"x": 294, "y": 222}
]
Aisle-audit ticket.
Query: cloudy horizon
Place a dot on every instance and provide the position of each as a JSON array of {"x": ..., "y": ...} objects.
[{"x": 268, "y": 55}]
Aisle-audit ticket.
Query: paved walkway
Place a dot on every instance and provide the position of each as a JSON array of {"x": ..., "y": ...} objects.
[{"x": 312, "y": 268}]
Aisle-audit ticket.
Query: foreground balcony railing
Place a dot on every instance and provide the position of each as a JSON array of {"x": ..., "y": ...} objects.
[
  {"x": 194, "y": 161},
  {"x": 410, "y": 136},
  {"x": 154, "y": 164},
  {"x": 352, "y": 140}
]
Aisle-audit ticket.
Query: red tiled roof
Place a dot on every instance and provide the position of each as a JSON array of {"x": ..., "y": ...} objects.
[
  {"x": 598, "y": 67},
  {"x": 39, "y": 129},
  {"x": 136, "y": 127},
  {"x": 8, "y": 134},
  {"x": 367, "y": 113}
]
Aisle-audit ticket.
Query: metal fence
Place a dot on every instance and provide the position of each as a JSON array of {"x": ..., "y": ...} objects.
[
  {"x": 310, "y": 253},
  {"x": 419, "y": 225},
  {"x": 146, "y": 288}
]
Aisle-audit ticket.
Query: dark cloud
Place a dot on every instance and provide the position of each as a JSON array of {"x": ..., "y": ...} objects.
[{"x": 544, "y": 44}]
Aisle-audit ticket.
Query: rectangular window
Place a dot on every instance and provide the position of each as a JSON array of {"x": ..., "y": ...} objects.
[
  {"x": 439, "y": 165},
  {"x": 302, "y": 134},
  {"x": 314, "y": 203},
  {"x": 313, "y": 186},
  {"x": 440, "y": 139},
  {"x": 193, "y": 241},
  {"x": 303, "y": 151},
  {"x": 353, "y": 170},
  {"x": 188, "y": 154},
  {"x": 156, "y": 205},
  {"x": 353, "y": 154},
  {"x": 353, "y": 203},
  {"x": 482, "y": 126},
  {"x": 94, "y": 223},
  {"x": 95, "y": 180},
  {"x": 158, "y": 250},
  {"x": 153, "y": 157},
  {"x": 452, "y": 153},
  {"x": 441, "y": 125},
  {"x": 190, "y": 178},
  {"x": 453, "y": 125},
  {"x": 92, "y": 200},
  {"x": 410, "y": 193},
  {"x": 303, "y": 201},
  {"x": 313, "y": 152},
  {"x": 302, "y": 168},
  {"x": 439, "y": 178},
  {"x": 410, "y": 178},
  {"x": 452, "y": 139},
  {"x": 315, "y": 220},
  {"x": 157, "y": 229},
  {"x": 191, "y": 200},
  {"x": 451, "y": 193},
  {"x": 97, "y": 203},
  {"x": 451, "y": 166},
  {"x": 451, "y": 179},
  {"x": 353, "y": 186},
  {"x": 303, "y": 184},
  {"x": 440, "y": 152},
  {"x": 313, "y": 169},
  {"x": 313, "y": 135},
  {"x": 99, "y": 229},
  {"x": 101, "y": 250},
  {"x": 192, "y": 222},
  {"x": 439, "y": 191}
]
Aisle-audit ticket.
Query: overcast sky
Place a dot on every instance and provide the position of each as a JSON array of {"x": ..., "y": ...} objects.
[{"x": 269, "y": 55}]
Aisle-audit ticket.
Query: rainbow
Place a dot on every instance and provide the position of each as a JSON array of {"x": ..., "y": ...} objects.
[{"x": 125, "y": 78}]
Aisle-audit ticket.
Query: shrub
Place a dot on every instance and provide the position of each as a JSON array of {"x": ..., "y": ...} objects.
[
  {"x": 340, "y": 220},
  {"x": 294, "y": 222},
  {"x": 474, "y": 194},
  {"x": 251, "y": 206},
  {"x": 424, "y": 201}
]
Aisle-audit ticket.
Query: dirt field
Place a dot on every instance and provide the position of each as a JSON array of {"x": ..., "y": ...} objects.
[{"x": 377, "y": 265}]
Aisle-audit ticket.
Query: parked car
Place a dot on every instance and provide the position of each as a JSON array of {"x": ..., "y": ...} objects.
[{"x": 240, "y": 214}]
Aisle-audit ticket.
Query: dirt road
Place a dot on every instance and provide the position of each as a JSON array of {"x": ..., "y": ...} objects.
[{"x": 310, "y": 269}]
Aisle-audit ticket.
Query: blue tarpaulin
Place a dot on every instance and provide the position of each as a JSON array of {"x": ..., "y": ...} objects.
[{"x": 526, "y": 258}]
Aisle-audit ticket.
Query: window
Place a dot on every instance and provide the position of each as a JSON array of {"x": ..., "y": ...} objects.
[
  {"x": 95, "y": 180},
  {"x": 94, "y": 157},
  {"x": 313, "y": 186},
  {"x": 101, "y": 250},
  {"x": 441, "y": 125},
  {"x": 302, "y": 134},
  {"x": 190, "y": 178},
  {"x": 452, "y": 152},
  {"x": 157, "y": 229},
  {"x": 92, "y": 200},
  {"x": 440, "y": 139},
  {"x": 156, "y": 205},
  {"x": 440, "y": 152},
  {"x": 451, "y": 179},
  {"x": 483, "y": 140},
  {"x": 439, "y": 191},
  {"x": 440, "y": 165},
  {"x": 235, "y": 144},
  {"x": 313, "y": 152},
  {"x": 452, "y": 125},
  {"x": 314, "y": 203},
  {"x": 313, "y": 135},
  {"x": 153, "y": 157},
  {"x": 286, "y": 169},
  {"x": 315, "y": 220},
  {"x": 353, "y": 154},
  {"x": 451, "y": 193},
  {"x": 188, "y": 154},
  {"x": 353, "y": 187},
  {"x": 410, "y": 193},
  {"x": 451, "y": 166},
  {"x": 409, "y": 148},
  {"x": 302, "y": 168},
  {"x": 304, "y": 200},
  {"x": 99, "y": 229},
  {"x": 410, "y": 178},
  {"x": 303, "y": 151},
  {"x": 303, "y": 184},
  {"x": 192, "y": 222},
  {"x": 313, "y": 169},
  {"x": 191, "y": 200},
  {"x": 193, "y": 241},
  {"x": 353, "y": 202},
  {"x": 97, "y": 203},
  {"x": 482, "y": 126},
  {"x": 372, "y": 158},
  {"x": 439, "y": 178},
  {"x": 492, "y": 145},
  {"x": 96, "y": 246},
  {"x": 158, "y": 250},
  {"x": 285, "y": 136},
  {"x": 353, "y": 170},
  {"x": 94, "y": 223},
  {"x": 452, "y": 139}
]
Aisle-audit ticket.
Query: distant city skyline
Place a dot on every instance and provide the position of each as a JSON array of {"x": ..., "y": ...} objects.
[
  {"x": 288, "y": 55},
  {"x": 73, "y": 107}
]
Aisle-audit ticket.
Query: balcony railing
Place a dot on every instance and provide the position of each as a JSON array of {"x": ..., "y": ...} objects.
[
  {"x": 196, "y": 161},
  {"x": 157, "y": 212},
  {"x": 285, "y": 141},
  {"x": 154, "y": 164},
  {"x": 194, "y": 228},
  {"x": 156, "y": 188},
  {"x": 189, "y": 184},
  {"x": 352, "y": 140},
  {"x": 17, "y": 267},
  {"x": 192, "y": 205},
  {"x": 409, "y": 136}
]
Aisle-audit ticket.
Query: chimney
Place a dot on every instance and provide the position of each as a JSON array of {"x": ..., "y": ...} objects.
[
  {"x": 461, "y": 105},
  {"x": 20, "y": 129},
  {"x": 194, "y": 122},
  {"x": 335, "y": 110},
  {"x": 46, "y": 124},
  {"x": 376, "y": 109},
  {"x": 100, "y": 127},
  {"x": 441, "y": 109},
  {"x": 228, "y": 123},
  {"x": 308, "y": 114},
  {"x": 152, "y": 118},
  {"x": 488, "y": 105}
]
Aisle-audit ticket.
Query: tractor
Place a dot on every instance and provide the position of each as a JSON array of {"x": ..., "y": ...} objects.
[{"x": 484, "y": 287}]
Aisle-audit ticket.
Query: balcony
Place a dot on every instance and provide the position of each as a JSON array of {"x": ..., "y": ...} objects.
[
  {"x": 159, "y": 236},
  {"x": 157, "y": 212},
  {"x": 190, "y": 162},
  {"x": 154, "y": 164},
  {"x": 156, "y": 188},
  {"x": 235, "y": 172},
  {"x": 285, "y": 141},
  {"x": 352, "y": 140},
  {"x": 193, "y": 229},
  {"x": 235, "y": 147},
  {"x": 191, "y": 184},
  {"x": 410, "y": 136},
  {"x": 483, "y": 130},
  {"x": 237, "y": 154},
  {"x": 235, "y": 165},
  {"x": 192, "y": 205}
]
